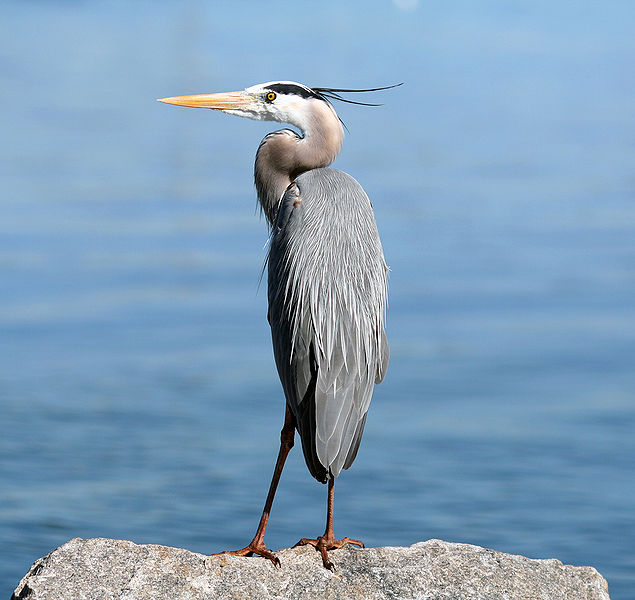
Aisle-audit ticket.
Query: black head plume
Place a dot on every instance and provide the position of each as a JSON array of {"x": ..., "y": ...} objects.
[{"x": 334, "y": 93}]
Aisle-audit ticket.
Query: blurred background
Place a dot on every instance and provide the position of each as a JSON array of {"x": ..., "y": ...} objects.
[{"x": 138, "y": 393}]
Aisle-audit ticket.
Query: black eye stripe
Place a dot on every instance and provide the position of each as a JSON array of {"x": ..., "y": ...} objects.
[{"x": 290, "y": 88}]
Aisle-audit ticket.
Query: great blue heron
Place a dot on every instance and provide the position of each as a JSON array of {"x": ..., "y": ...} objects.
[{"x": 326, "y": 284}]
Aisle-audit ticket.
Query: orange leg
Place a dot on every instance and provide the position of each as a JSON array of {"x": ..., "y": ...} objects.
[
  {"x": 257, "y": 545},
  {"x": 327, "y": 541}
]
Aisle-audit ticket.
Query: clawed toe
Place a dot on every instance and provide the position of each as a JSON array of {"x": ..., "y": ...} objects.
[
  {"x": 250, "y": 550},
  {"x": 347, "y": 540},
  {"x": 323, "y": 545}
]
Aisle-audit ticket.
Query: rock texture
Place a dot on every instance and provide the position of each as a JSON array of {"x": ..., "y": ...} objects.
[{"x": 102, "y": 569}]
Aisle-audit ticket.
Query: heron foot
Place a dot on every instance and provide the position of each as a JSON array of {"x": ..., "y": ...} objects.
[
  {"x": 250, "y": 550},
  {"x": 323, "y": 544}
]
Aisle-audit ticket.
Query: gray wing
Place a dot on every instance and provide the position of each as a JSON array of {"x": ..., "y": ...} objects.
[{"x": 327, "y": 303}]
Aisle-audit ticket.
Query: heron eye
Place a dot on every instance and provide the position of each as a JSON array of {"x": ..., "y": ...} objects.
[{"x": 270, "y": 97}]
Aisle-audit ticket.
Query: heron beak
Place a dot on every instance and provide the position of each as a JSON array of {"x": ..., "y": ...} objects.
[{"x": 224, "y": 101}]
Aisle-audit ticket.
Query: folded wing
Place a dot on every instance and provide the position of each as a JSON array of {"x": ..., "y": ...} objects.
[{"x": 327, "y": 301}]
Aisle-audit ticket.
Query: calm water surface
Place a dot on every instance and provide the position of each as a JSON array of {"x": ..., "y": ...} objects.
[{"x": 138, "y": 393}]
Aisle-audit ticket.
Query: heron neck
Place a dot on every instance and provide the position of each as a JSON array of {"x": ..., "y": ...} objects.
[{"x": 284, "y": 155}]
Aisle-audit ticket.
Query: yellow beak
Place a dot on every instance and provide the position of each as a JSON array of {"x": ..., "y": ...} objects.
[{"x": 224, "y": 101}]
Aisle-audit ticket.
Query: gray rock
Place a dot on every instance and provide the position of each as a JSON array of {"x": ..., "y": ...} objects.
[{"x": 103, "y": 569}]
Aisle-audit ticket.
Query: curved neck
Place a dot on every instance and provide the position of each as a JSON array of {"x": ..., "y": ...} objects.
[{"x": 284, "y": 155}]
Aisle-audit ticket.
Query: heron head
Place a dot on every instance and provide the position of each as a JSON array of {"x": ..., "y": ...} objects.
[{"x": 282, "y": 101}]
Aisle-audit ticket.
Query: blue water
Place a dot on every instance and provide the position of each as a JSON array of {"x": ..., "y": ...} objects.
[{"x": 138, "y": 393}]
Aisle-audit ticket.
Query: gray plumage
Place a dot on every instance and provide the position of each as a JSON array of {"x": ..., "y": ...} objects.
[{"x": 327, "y": 299}]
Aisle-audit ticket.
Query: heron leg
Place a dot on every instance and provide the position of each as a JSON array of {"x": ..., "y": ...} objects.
[
  {"x": 257, "y": 545},
  {"x": 327, "y": 541}
]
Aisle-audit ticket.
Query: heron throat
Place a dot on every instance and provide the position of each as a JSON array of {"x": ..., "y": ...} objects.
[{"x": 284, "y": 155}]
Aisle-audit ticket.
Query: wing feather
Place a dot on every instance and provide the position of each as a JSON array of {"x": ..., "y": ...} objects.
[{"x": 327, "y": 302}]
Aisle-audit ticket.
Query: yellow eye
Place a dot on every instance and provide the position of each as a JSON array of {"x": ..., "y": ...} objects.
[{"x": 271, "y": 96}]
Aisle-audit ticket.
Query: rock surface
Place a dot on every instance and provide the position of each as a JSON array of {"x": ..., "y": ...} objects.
[{"x": 103, "y": 569}]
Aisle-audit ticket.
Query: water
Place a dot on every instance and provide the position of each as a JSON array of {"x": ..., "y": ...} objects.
[{"x": 138, "y": 391}]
